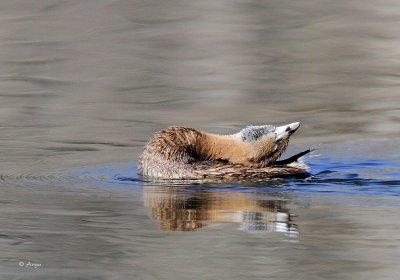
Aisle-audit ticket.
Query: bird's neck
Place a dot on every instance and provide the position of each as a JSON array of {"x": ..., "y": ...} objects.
[{"x": 224, "y": 147}]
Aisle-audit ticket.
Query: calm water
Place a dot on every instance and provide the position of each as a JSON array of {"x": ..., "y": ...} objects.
[{"x": 83, "y": 85}]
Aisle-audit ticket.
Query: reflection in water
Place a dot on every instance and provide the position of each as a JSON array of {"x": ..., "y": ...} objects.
[{"x": 180, "y": 209}]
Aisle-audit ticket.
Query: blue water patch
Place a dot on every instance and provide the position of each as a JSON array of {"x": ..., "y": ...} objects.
[
  {"x": 107, "y": 175},
  {"x": 330, "y": 176},
  {"x": 355, "y": 176}
]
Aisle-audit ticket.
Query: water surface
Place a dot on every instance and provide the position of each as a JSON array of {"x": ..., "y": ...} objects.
[{"x": 83, "y": 85}]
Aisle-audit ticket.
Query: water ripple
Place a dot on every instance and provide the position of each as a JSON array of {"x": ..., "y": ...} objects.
[{"x": 332, "y": 179}]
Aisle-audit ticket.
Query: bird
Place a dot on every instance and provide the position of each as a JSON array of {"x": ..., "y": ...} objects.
[{"x": 183, "y": 153}]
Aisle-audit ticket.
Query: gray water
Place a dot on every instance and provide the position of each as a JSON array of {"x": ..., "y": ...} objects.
[{"x": 84, "y": 84}]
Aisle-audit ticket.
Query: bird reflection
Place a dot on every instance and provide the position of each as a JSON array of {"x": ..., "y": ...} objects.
[{"x": 185, "y": 209}]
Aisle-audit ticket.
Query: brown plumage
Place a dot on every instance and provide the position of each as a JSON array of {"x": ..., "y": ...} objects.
[{"x": 252, "y": 153}]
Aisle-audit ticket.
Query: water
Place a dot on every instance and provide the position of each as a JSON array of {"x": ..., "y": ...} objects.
[{"x": 83, "y": 85}]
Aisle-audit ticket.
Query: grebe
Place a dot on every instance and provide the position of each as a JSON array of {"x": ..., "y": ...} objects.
[{"x": 253, "y": 153}]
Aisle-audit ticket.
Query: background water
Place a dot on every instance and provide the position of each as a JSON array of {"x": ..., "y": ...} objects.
[{"x": 83, "y": 85}]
